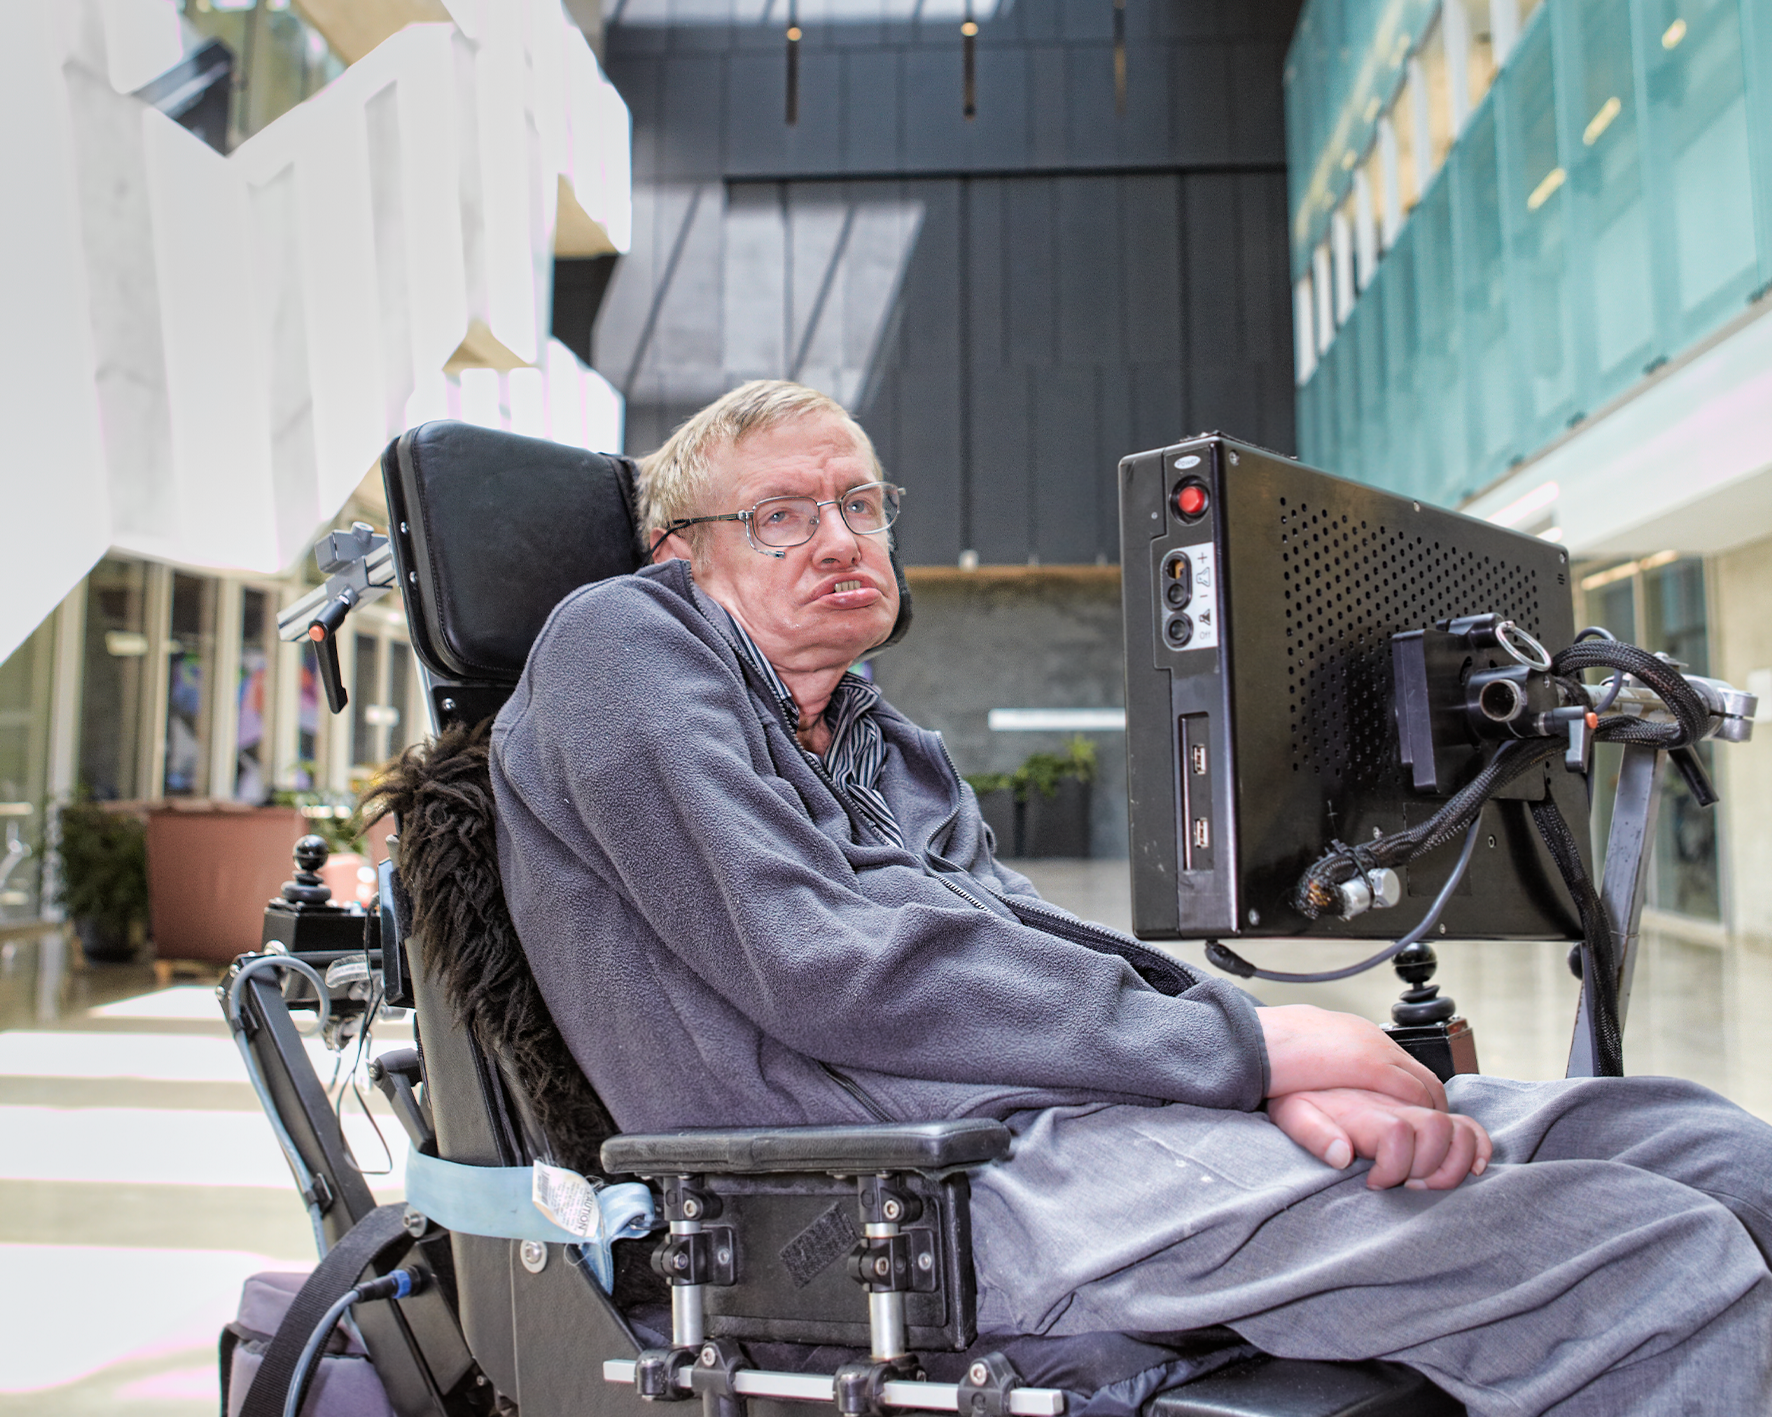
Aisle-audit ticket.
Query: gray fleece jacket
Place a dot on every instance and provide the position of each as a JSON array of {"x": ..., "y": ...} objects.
[{"x": 723, "y": 942}]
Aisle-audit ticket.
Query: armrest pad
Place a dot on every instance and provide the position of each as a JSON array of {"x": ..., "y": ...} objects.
[{"x": 896, "y": 1146}]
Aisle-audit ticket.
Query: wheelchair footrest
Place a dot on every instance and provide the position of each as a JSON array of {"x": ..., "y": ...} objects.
[{"x": 821, "y": 1387}]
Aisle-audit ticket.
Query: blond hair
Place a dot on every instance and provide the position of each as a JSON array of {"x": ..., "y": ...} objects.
[{"x": 676, "y": 481}]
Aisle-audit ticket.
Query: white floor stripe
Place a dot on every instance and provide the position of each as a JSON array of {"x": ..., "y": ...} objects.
[
  {"x": 156, "y": 1057},
  {"x": 130, "y": 1146},
  {"x": 69, "y": 1310}
]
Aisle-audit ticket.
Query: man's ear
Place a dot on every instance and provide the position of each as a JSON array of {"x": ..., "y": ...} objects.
[{"x": 674, "y": 547}]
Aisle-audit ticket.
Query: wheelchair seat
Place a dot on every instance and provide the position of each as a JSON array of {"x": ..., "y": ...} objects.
[{"x": 489, "y": 532}]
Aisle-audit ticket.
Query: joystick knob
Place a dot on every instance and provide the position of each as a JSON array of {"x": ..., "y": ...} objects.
[
  {"x": 307, "y": 888},
  {"x": 1421, "y": 1003}
]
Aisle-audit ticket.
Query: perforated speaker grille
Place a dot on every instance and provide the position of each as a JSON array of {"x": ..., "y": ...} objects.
[{"x": 1349, "y": 586}]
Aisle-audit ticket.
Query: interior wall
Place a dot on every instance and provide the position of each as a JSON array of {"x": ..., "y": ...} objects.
[
  {"x": 1741, "y": 653},
  {"x": 1010, "y": 305}
]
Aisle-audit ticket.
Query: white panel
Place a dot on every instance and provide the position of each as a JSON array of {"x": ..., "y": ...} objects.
[
  {"x": 1304, "y": 344},
  {"x": 142, "y": 41},
  {"x": 215, "y": 376},
  {"x": 52, "y": 481},
  {"x": 605, "y": 414}
]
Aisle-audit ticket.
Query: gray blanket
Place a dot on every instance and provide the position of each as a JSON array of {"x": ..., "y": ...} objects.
[{"x": 722, "y": 942}]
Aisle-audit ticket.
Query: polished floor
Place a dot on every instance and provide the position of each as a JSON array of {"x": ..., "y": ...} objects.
[{"x": 139, "y": 1184}]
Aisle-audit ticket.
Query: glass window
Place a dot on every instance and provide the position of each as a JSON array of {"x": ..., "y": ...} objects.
[
  {"x": 252, "y": 699},
  {"x": 24, "y": 768},
  {"x": 309, "y": 740},
  {"x": 366, "y": 701},
  {"x": 1608, "y": 173},
  {"x": 114, "y": 679},
  {"x": 279, "y": 60},
  {"x": 1685, "y": 866},
  {"x": 190, "y": 670},
  {"x": 400, "y": 730},
  {"x": 1697, "y": 92},
  {"x": 1541, "y": 235}
]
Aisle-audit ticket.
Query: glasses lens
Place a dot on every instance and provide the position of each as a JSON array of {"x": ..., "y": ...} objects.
[
  {"x": 784, "y": 521},
  {"x": 869, "y": 508}
]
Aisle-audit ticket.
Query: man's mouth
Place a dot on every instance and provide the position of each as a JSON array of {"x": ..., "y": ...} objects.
[{"x": 841, "y": 586}]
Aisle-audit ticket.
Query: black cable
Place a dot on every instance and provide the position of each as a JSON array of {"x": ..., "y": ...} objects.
[
  {"x": 395, "y": 1285},
  {"x": 1234, "y": 963},
  {"x": 1599, "y": 955}
]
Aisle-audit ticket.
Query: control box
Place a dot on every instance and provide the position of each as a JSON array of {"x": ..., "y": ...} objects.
[{"x": 1260, "y": 597}]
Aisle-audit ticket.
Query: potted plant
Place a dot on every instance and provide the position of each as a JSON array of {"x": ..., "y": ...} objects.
[
  {"x": 1042, "y": 808},
  {"x": 104, "y": 878},
  {"x": 1055, "y": 791}
]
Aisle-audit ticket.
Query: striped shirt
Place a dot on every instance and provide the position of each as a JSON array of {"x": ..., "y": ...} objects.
[{"x": 858, "y": 748}]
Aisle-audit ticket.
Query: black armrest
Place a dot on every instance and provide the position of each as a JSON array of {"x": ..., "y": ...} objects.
[{"x": 894, "y": 1146}]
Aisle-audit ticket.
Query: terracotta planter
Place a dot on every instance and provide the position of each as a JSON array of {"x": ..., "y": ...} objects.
[{"x": 211, "y": 868}]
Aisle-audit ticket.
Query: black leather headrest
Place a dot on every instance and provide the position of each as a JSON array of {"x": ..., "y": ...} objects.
[{"x": 491, "y": 531}]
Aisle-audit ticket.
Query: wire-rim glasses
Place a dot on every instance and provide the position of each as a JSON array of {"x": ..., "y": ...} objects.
[{"x": 777, "y": 523}]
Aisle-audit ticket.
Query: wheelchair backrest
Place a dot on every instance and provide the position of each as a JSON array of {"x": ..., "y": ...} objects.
[{"x": 490, "y": 532}]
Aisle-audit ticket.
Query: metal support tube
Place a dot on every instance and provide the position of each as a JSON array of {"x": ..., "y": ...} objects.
[
  {"x": 818, "y": 1387},
  {"x": 886, "y": 1326},
  {"x": 1628, "y": 847},
  {"x": 688, "y": 1325}
]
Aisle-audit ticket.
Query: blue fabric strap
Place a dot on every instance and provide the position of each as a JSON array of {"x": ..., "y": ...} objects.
[{"x": 498, "y": 1201}]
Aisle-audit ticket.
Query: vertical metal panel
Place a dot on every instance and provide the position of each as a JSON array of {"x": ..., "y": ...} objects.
[
  {"x": 1066, "y": 469},
  {"x": 1090, "y": 309},
  {"x": 1029, "y": 258},
  {"x": 873, "y": 85},
  {"x": 1002, "y": 465}
]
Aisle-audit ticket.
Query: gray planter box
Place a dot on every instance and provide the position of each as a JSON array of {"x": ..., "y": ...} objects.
[{"x": 1057, "y": 825}]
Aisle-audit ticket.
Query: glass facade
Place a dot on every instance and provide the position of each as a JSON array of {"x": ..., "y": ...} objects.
[
  {"x": 1561, "y": 197},
  {"x": 25, "y": 679},
  {"x": 114, "y": 681},
  {"x": 1660, "y": 602},
  {"x": 279, "y": 59}
]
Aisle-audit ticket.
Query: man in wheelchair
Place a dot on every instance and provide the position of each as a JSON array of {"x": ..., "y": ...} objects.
[{"x": 708, "y": 825}]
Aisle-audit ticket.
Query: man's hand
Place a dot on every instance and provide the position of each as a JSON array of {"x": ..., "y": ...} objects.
[
  {"x": 1418, "y": 1147},
  {"x": 1311, "y": 1049}
]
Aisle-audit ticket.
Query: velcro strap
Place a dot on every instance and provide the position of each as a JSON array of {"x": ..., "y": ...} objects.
[{"x": 499, "y": 1201}]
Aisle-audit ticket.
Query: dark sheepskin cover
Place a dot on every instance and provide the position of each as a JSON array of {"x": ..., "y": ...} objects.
[{"x": 441, "y": 793}]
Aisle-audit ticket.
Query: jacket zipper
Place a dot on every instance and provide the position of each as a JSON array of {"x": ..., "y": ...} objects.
[{"x": 857, "y": 1091}]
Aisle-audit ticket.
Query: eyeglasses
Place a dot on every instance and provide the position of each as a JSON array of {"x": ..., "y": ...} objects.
[{"x": 776, "y": 523}]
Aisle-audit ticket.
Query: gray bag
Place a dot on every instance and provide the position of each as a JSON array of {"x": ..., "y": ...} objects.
[{"x": 346, "y": 1384}]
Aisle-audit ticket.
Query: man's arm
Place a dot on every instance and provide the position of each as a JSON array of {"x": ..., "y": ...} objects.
[
  {"x": 629, "y": 745},
  {"x": 1341, "y": 1088}
]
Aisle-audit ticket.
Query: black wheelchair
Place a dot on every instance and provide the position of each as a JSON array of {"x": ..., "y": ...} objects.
[{"x": 828, "y": 1266}]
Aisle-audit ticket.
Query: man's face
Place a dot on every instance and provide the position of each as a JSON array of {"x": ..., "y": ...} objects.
[{"x": 822, "y": 604}]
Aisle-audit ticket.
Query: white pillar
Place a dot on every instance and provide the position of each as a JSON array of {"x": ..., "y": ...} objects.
[
  {"x": 1304, "y": 343},
  {"x": 1365, "y": 229},
  {"x": 1504, "y": 28},
  {"x": 1393, "y": 187},
  {"x": 1423, "y": 119},
  {"x": 1321, "y": 285},
  {"x": 1455, "y": 31},
  {"x": 1342, "y": 248}
]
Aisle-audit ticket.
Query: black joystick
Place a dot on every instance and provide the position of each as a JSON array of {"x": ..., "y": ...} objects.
[
  {"x": 303, "y": 917},
  {"x": 1421, "y": 1002},
  {"x": 307, "y": 888},
  {"x": 1424, "y": 1022}
]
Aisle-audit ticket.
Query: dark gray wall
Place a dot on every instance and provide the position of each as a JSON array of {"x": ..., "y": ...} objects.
[
  {"x": 979, "y": 643},
  {"x": 1009, "y": 305}
]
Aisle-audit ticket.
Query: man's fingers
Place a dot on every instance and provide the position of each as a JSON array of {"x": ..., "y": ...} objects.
[
  {"x": 1312, "y": 1128},
  {"x": 1393, "y": 1153},
  {"x": 1460, "y": 1157},
  {"x": 1435, "y": 1135}
]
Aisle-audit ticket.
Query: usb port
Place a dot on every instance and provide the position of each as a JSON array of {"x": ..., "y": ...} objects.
[
  {"x": 1202, "y": 834},
  {"x": 1196, "y": 757}
]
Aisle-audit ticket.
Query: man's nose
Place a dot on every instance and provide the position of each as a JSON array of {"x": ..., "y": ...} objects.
[{"x": 832, "y": 540}]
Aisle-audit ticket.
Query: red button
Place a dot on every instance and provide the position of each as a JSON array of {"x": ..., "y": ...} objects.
[{"x": 1190, "y": 499}]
